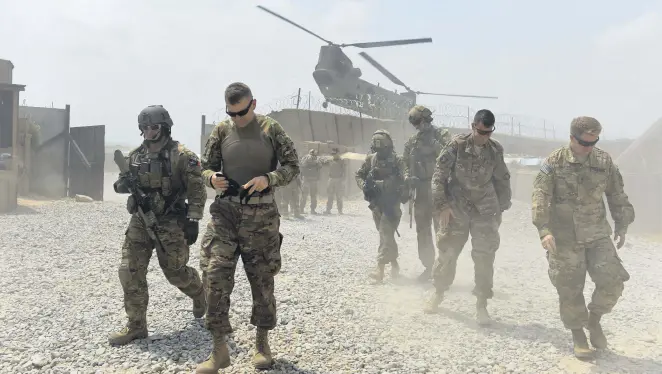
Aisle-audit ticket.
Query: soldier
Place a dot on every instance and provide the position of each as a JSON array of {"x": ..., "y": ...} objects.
[
  {"x": 471, "y": 189},
  {"x": 569, "y": 212},
  {"x": 381, "y": 178},
  {"x": 336, "y": 186},
  {"x": 290, "y": 198},
  {"x": 420, "y": 156},
  {"x": 168, "y": 173},
  {"x": 240, "y": 161},
  {"x": 310, "y": 170}
]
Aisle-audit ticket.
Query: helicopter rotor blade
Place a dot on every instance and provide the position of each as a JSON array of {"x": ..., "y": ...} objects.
[
  {"x": 294, "y": 24},
  {"x": 441, "y": 94},
  {"x": 383, "y": 70},
  {"x": 388, "y": 43}
]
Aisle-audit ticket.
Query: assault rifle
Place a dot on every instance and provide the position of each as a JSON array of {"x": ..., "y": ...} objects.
[{"x": 142, "y": 201}]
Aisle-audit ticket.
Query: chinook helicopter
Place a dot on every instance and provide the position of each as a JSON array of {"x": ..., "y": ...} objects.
[{"x": 340, "y": 83}]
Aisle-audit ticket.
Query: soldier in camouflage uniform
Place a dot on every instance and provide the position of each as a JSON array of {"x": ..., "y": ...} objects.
[
  {"x": 381, "y": 178},
  {"x": 168, "y": 173},
  {"x": 471, "y": 189},
  {"x": 420, "y": 157},
  {"x": 570, "y": 215},
  {"x": 310, "y": 170},
  {"x": 240, "y": 161},
  {"x": 289, "y": 196},
  {"x": 336, "y": 186}
]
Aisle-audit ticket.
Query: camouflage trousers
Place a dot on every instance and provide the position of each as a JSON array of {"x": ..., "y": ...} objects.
[
  {"x": 424, "y": 220},
  {"x": 136, "y": 253},
  {"x": 388, "y": 248},
  {"x": 567, "y": 271},
  {"x": 309, "y": 187},
  {"x": 249, "y": 231},
  {"x": 335, "y": 189},
  {"x": 485, "y": 240},
  {"x": 289, "y": 198}
]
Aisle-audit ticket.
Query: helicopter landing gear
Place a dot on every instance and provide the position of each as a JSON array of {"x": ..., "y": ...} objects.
[{"x": 325, "y": 104}]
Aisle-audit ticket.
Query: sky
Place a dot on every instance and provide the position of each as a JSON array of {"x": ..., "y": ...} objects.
[{"x": 544, "y": 60}]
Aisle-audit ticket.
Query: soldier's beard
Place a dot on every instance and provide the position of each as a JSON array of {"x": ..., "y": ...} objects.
[{"x": 154, "y": 139}]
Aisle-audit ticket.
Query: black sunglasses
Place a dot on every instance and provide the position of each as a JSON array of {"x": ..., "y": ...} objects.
[
  {"x": 584, "y": 143},
  {"x": 483, "y": 132},
  {"x": 155, "y": 126},
  {"x": 242, "y": 112}
]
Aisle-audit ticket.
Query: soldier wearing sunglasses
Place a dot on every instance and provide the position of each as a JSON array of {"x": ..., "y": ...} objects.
[
  {"x": 420, "y": 158},
  {"x": 241, "y": 161},
  {"x": 169, "y": 174},
  {"x": 570, "y": 215},
  {"x": 470, "y": 189}
]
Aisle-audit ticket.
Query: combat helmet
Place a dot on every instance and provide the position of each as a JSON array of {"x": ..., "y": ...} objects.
[
  {"x": 420, "y": 114},
  {"x": 155, "y": 114},
  {"x": 381, "y": 141}
]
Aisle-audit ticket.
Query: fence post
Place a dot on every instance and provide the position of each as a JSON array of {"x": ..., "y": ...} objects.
[
  {"x": 544, "y": 128},
  {"x": 298, "y": 97}
]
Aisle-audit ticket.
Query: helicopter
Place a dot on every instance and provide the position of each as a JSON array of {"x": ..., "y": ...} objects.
[{"x": 341, "y": 84}]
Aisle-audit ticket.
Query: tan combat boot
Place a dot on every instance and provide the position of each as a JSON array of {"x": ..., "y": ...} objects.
[
  {"x": 200, "y": 304},
  {"x": 597, "y": 336},
  {"x": 432, "y": 305},
  {"x": 582, "y": 351},
  {"x": 482, "y": 317},
  {"x": 219, "y": 358},
  {"x": 128, "y": 334},
  {"x": 395, "y": 269},
  {"x": 378, "y": 273},
  {"x": 262, "y": 358}
]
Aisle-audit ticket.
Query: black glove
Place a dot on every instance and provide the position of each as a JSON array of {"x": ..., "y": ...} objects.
[{"x": 191, "y": 229}]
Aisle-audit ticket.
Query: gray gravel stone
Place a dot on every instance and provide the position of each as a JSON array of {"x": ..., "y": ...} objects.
[{"x": 60, "y": 297}]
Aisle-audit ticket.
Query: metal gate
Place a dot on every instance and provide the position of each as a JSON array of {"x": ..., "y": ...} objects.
[{"x": 86, "y": 161}]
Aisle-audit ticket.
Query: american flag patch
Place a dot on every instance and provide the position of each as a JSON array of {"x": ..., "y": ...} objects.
[
  {"x": 546, "y": 168},
  {"x": 193, "y": 161}
]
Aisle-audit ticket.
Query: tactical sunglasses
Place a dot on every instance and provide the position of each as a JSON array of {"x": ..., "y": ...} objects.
[
  {"x": 242, "y": 112},
  {"x": 584, "y": 143},
  {"x": 155, "y": 126},
  {"x": 414, "y": 120},
  {"x": 483, "y": 132}
]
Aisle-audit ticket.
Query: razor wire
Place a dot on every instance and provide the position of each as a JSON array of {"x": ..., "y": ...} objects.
[{"x": 444, "y": 114}]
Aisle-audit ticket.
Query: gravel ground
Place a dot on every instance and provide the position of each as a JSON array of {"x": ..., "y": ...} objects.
[{"x": 60, "y": 297}]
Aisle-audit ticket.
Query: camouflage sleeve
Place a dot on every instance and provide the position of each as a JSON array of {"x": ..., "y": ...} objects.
[
  {"x": 287, "y": 157},
  {"x": 406, "y": 157},
  {"x": 401, "y": 167},
  {"x": 543, "y": 193},
  {"x": 501, "y": 181},
  {"x": 620, "y": 207},
  {"x": 212, "y": 160},
  {"x": 443, "y": 137},
  {"x": 196, "y": 193},
  {"x": 362, "y": 173},
  {"x": 442, "y": 171}
]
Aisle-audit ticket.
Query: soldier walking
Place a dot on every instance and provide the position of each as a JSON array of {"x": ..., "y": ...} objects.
[
  {"x": 240, "y": 161},
  {"x": 290, "y": 198},
  {"x": 471, "y": 189},
  {"x": 570, "y": 215},
  {"x": 381, "y": 178},
  {"x": 168, "y": 174},
  {"x": 310, "y": 170},
  {"x": 420, "y": 157},
  {"x": 336, "y": 186}
]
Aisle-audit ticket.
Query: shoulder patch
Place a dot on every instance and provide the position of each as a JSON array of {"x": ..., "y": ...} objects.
[
  {"x": 546, "y": 168},
  {"x": 193, "y": 161}
]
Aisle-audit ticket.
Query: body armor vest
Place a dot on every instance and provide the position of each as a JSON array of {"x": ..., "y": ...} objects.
[
  {"x": 385, "y": 170},
  {"x": 154, "y": 172},
  {"x": 424, "y": 155}
]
